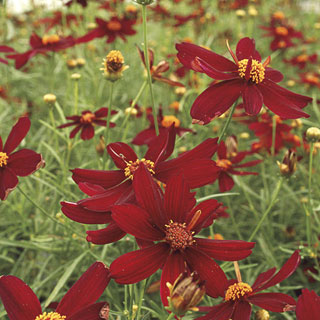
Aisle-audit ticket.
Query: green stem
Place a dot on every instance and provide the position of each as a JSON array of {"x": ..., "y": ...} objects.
[
  {"x": 171, "y": 316},
  {"x": 125, "y": 123},
  {"x": 76, "y": 96},
  {"x": 273, "y": 200},
  {"x": 142, "y": 287},
  {"x": 146, "y": 60},
  {"x": 228, "y": 121},
  {"x": 310, "y": 195},
  {"x": 274, "y": 130},
  {"x": 109, "y": 112},
  {"x": 54, "y": 127}
]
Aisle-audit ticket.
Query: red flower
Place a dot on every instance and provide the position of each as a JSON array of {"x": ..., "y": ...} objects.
[
  {"x": 20, "y": 163},
  {"x": 78, "y": 303},
  {"x": 172, "y": 221},
  {"x": 42, "y": 45},
  {"x": 115, "y": 27},
  {"x": 105, "y": 188},
  {"x": 310, "y": 78},
  {"x": 308, "y": 305},
  {"x": 86, "y": 123},
  {"x": 302, "y": 59},
  {"x": 246, "y": 77},
  {"x": 228, "y": 162},
  {"x": 239, "y": 295}
]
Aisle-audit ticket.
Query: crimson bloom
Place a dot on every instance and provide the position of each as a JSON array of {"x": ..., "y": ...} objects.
[
  {"x": 308, "y": 305},
  {"x": 20, "y": 163},
  {"x": 171, "y": 220},
  {"x": 239, "y": 295},
  {"x": 246, "y": 77},
  {"x": 78, "y": 303},
  {"x": 302, "y": 60},
  {"x": 86, "y": 123}
]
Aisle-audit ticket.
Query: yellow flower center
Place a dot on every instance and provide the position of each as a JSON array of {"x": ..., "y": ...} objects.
[
  {"x": 87, "y": 117},
  {"x": 113, "y": 61},
  {"x": 114, "y": 25},
  {"x": 312, "y": 78},
  {"x": 302, "y": 58},
  {"x": 237, "y": 291},
  {"x": 3, "y": 159},
  {"x": 131, "y": 8},
  {"x": 50, "y": 316},
  {"x": 132, "y": 166},
  {"x": 282, "y": 31},
  {"x": 224, "y": 163},
  {"x": 167, "y": 121},
  {"x": 256, "y": 71},
  {"x": 50, "y": 39},
  {"x": 178, "y": 236},
  {"x": 278, "y": 15},
  {"x": 282, "y": 44}
]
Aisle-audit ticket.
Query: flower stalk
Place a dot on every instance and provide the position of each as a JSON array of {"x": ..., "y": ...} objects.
[
  {"x": 109, "y": 112},
  {"x": 228, "y": 121}
]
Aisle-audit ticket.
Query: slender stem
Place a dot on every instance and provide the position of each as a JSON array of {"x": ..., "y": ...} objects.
[
  {"x": 171, "y": 316},
  {"x": 142, "y": 287},
  {"x": 109, "y": 112},
  {"x": 309, "y": 195},
  {"x": 273, "y": 200},
  {"x": 76, "y": 96},
  {"x": 53, "y": 122},
  {"x": 228, "y": 121},
  {"x": 125, "y": 123},
  {"x": 237, "y": 271},
  {"x": 274, "y": 131},
  {"x": 146, "y": 60}
]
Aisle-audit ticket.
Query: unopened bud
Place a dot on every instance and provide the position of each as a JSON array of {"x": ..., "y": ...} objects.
[
  {"x": 313, "y": 134},
  {"x": 240, "y": 13},
  {"x": 113, "y": 65},
  {"x": 262, "y": 315},
  {"x": 49, "y": 98},
  {"x": 101, "y": 146},
  {"x": 75, "y": 76},
  {"x": 81, "y": 62},
  {"x": 72, "y": 63},
  {"x": 289, "y": 164},
  {"x": 252, "y": 11},
  {"x": 132, "y": 111},
  {"x": 232, "y": 146}
]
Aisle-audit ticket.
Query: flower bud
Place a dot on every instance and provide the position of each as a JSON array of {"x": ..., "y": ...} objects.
[
  {"x": 313, "y": 134},
  {"x": 72, "y": 63},
  {"x": 80, "y": 62},
  {"x": 262, "y": 315},
  {"x": 75, "y": 76},
  {"x": 252, "y": 11},
  {"x": 240, "y": 13},
  {"x": 144, "y": 2},
  {"x": 49, "y": 98},
  {"x": 101, "y": 146},
  {"x": 289, "y": 164},
  {"x": 113, "y": 65},
  {"x": 185, "y": 293}
]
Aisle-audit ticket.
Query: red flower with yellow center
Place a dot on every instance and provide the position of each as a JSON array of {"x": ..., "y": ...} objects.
[
  {"x": 246, "y": 77},
  {"x": 168, "y": 223}
]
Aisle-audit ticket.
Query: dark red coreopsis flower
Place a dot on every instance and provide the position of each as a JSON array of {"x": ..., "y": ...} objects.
[
  {"x": 42, "y": 45},
  {"x": 311, "y": 79},
  {"x": 308, "y": 305},
  {"x": 228, "y": 162},
  {"x": 169, "y": 223},
  {"x": 78, "y": 303},
  {"x": 115, "y": 27},
  {"x": 86, "y": 123},
  {"x": 246, "y": 77},
  {"x": 302, "y": 60},
  {"x": 105, "y": 188},
  {"x": 239, "y": 295},
  {"x": 20, "y": 163}
]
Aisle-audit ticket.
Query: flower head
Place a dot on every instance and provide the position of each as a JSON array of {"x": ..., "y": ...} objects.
[{"x": 113, "y": 65}]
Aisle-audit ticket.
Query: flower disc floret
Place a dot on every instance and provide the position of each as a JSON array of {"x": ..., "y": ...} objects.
[
  {"x": 50, "y": 316},
  {"x": 114, "y": 25},
  {"x": 50, "y": 39},
  {"x": 282, "y": 31},
  {"x": 237, "y": 291},
  {"x": 132, "y": 166},
  {"x": 167, "y": 121},
  {"x": 257, "y": 70},
  {"x": 87, "y": 117},
  {"x": 224, "y": 163},
  {"x": 3, "y": 159},
  {"x": 114, "y": 61},
  {"x": 178, "y": 236}
]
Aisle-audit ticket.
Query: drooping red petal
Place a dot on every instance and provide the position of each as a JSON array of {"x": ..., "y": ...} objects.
[
  {"x": 121, "y": 154},
  {"x": 308, "y": 305},
  {"x": 87, "y": 132},
  {"x": 103, "y": 112},
  {"x": 287, "y": 269},
  {"x": 144, "y": 137},
  {"x": 76, "y": 213},
  {"x": 242, "y": 311},
  {"x": 111, "y": 233},
  {"x": 25, "y": 162},
  {"x": 273, "y": 75},
  {"x": 226, "y": 183},
  {"x": 216, "y": 100},
  {"x": 86, "y": 290},
  {"x": 248, "y": 164},
  {"x": 90, "y": 312},
  {"x": 18, "y": 299},
  {"x": 137, "y": 265},
  {"x": 252, "y": 99},
  {"x": 90, "y": 189},
  {"x": 16, "y": 135},
  {"x": 246, "y": 48},
  {"x": 222, "y": 150},
  {"x": 170, "y": 272},
  {"x": 271, "y": 301},
  {"x": 75, "y": 131},
  {"x": 136, "y": 221},
  {"x": 222, "y": 311},
  {"x": 225, "y": 250},
  {"x": 208, "y": 270},
  {"x": 8, "y": 181},
  {"x": 263, "y": 278},
  {"x": 105, "y": 179}
]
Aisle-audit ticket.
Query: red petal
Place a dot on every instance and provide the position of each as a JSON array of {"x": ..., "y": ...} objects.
[
  {"x": 18, "y": 299},
  {"x": 222, "y": 311},
  {"x": 121, "y": 154},
  {"x": 76, "y": 213},
  {"x": 308, "y": 305},
  {"x": 271, "y": 301},
  {"x": 225, "y": 182},
  {"x": 8, "y": 181},
  {"x": 144, "y": 137},
  {"x": 273, "y": 75},
  {"x": 93, "y": 281},
  {"x": 242, "y": 311},
  {"x": 225, "y": 250},
  {"x": 222, "y": 150},
  {"x": 263, "y": 278},
  {"x": 87, "y": 132},
  {"x": 136, "y": 221},
  {"x": 252, "y": 99},
  {"x": 6, "y": 49},
  {"x": 25, "y": 162},
  {"x": 90, "y": 189},
  {"x": 216, "y": 100},
  {"x": 91, "y": 312},
  {"x": 208, "y": 270},
  {"x": 213, "y": 73},
  {"x": 170, "y": 272},
  {"x": 102, "y": 112},
  {"x": 75, "y": 131},
  {"x": 18, "y": 132},
  {"x": 102, "y": 178},
  {"x": 110, "y": 234},
  {"x": 246, "y": 49},
  {"x": 137, "y": 265}
]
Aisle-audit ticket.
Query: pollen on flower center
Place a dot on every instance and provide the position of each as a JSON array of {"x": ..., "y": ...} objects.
[
  {"x": 302, "y": 58},
  {"x": 167, "y": 121},
  {"x": 257, "y": 70},
  {"x": 3, "y": 159},
  {"x": 50, "y": 316},
  {"x": 50, "y": 39},
  {"x": 224, "y": 163},
  {"x": 178, "y": 236},
  {"x": 132, "y": 166},
  {"x": 87, "y": 117},
  {"x": 114, "y": 25},
  {"x": 237, "y": 291},
  {"x": 114, "y": 61},
  {"x": 282, "y": 31}
]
